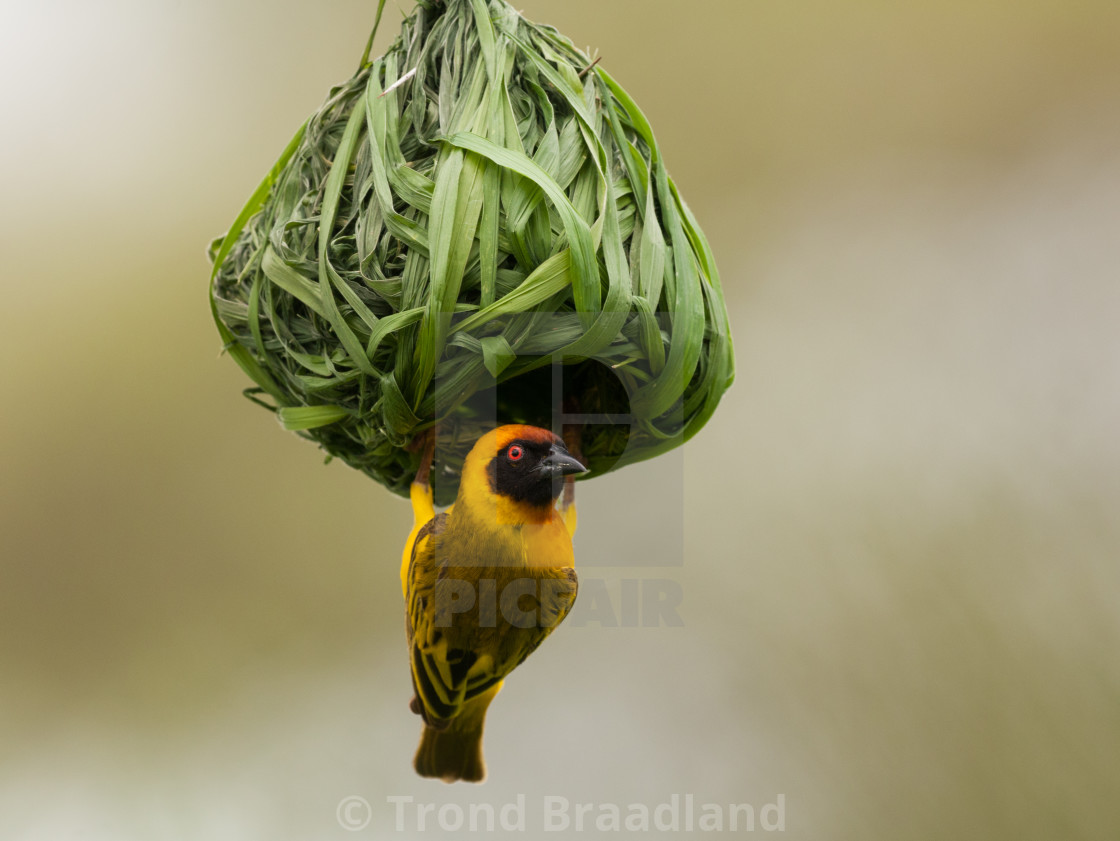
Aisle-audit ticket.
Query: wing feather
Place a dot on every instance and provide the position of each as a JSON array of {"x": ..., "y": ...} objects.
[{"x": 461, "y": 660}]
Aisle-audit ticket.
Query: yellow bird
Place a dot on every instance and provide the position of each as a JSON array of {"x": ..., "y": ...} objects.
[{"x": 484, "y": 583}]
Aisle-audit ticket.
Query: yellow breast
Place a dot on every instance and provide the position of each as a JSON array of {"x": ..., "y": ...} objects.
[{"x": 546, "y": 545}]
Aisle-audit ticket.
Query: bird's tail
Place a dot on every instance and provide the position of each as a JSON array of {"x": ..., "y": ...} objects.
[{"x": 454, "y": 752}]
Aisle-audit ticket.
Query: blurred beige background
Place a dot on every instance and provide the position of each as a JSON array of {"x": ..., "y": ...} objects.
[{"x": 900, "y": 532}]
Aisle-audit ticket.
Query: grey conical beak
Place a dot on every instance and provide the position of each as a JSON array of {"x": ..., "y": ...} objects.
[{"x": 559, "y": 462}]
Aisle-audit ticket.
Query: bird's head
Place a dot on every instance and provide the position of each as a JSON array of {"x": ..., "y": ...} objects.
[{"x": 520, "y": 469}]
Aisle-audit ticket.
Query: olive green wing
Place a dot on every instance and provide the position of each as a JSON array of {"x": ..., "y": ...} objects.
[
  {"x": 447, "y": 669},
  {"x": 455, "y": 657}
]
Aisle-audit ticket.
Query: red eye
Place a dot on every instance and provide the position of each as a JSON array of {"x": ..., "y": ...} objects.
[{"x": 515, "y": 453}]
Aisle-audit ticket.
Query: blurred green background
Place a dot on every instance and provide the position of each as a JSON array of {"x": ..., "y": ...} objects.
[{"x": 897, "y": 541}]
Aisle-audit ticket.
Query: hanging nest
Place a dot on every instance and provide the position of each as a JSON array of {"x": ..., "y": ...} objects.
[{"x": 476, "y": 228}]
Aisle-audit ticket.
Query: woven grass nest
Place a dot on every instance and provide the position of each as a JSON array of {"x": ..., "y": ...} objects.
[{"x": 476, "y": 228}]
